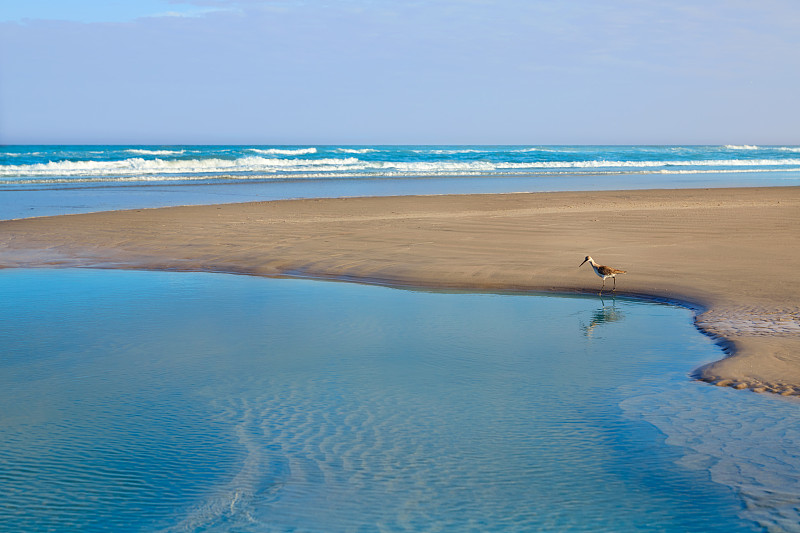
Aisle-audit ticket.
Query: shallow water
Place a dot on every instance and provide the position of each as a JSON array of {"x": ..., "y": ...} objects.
[{"x": 210, "y": 402}]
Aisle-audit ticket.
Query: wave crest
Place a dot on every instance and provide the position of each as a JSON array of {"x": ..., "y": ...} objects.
[
  {"x": 140, "y": 166},
  {"x": 357, "y": 150},
  {"x": 274, "y": 163},
  {"x": 144, "y": 151},
  {"x": 283, "y": 151}
]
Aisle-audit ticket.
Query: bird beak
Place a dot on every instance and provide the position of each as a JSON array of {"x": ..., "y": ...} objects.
[{"x": 582, "y": 263}]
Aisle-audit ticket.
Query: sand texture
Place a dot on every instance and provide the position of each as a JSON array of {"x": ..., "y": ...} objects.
[{"x": 733, "y": 253}]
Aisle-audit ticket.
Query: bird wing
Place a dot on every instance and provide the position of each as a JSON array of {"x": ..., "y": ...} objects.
[{"x": 607, "y": 271}]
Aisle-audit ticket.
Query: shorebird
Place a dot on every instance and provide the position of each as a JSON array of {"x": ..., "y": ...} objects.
[{"x": 604, "y": 272}]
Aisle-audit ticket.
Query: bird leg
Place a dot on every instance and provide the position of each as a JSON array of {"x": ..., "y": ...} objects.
[
  {"x": 602, "y": 286},
  {"x": 615, "y": 284}
]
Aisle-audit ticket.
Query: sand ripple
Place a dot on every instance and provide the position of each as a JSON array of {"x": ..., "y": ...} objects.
[
  {"x": 743, "y": 445},
  {"x": 751, "y": 321}
]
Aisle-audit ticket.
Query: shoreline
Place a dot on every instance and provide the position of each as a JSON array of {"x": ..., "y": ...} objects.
[{"x": 729, "y": 253}]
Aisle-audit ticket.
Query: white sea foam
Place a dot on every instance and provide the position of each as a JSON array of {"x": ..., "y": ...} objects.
[
  {"x": 741, "y": 147},
  {"x": 214, "y": 167},
  {"x": 418, "y": 166},
  {"x": 357, "y": 150},
  {"x": 281, "y": 151},
  {"x": 143, "y": 151},
  {"x": 542, "y": 149},
  {"x": 451, "y": 151},
  {"x": 140, "y": 166},
  {"x": 329, "y": 172}
]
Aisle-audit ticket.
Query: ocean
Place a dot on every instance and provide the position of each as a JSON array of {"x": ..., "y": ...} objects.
[{"x": 50, "y": 180}]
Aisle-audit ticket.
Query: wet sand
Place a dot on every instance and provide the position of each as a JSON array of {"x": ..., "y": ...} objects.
[{"x": 733, "y": 254}]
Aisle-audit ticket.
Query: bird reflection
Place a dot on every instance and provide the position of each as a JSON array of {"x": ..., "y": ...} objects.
[{"x": 603, "y": 315}]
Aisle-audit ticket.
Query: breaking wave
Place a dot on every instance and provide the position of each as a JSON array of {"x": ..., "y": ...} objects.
[
  {"x": 795, "y": 149},
  {"x": 741, "y": 147},
  {"x": 143, "y": 151},
  {"x": 357, "y": 150},
  {"x": 283, "y": 151},
  {"x": 170, "y": 164},
  {"x": 140, "y": 166}
]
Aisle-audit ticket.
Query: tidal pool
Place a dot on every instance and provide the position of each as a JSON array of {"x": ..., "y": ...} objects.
[{"x": 155, "y": 401}]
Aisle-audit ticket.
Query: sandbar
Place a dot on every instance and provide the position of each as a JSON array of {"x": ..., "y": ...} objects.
[{"x": 731, "y": 254}]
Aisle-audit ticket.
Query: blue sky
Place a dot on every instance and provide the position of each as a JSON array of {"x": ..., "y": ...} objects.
[
  {"x": 414, "y": 71},
  {"x": 97, "y": 11}
]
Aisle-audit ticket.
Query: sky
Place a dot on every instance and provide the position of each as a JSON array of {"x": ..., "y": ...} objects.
[{"x": 399, "y": 72}]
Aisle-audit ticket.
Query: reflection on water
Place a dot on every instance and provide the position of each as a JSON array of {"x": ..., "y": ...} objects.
[
  {"x": 196, "y": 402},
  {"x": 605, "y": 314}
]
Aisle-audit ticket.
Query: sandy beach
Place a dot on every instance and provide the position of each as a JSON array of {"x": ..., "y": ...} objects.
[{"x": 732, "y": 254}]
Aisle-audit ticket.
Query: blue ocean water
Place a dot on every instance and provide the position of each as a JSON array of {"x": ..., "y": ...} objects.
[
  {"x": 46, "y": 180},
  {"x": 206, "y": 402}
]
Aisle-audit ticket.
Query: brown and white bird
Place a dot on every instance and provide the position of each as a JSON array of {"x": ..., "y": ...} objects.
[{"x": 604, "y": 272}]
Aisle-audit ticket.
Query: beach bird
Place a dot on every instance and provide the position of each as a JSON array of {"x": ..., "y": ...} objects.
[{"x": 604, "y": 272}]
